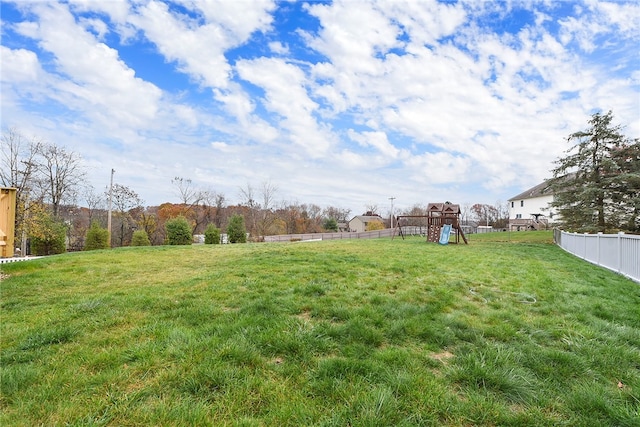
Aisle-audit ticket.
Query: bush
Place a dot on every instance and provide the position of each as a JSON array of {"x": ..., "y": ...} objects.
[
  {"x": 96, "y": 237},
  {"x": 140, "y": 238},
  {"x": 330, "y": 224},
  {"x": 178, "y": 231},
  {"x": 375, "y": 225},
  {"x": 53, "y": 242},
  {"x": 236, "y": 231},
  {"x": 48, "y": 234},
  {"x": 212, "y": 235}
]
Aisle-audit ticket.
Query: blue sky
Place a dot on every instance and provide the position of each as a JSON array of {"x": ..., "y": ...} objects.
[{"x": 343, "y": 103}]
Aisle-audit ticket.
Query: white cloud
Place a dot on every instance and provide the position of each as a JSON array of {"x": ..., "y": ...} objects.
[
  {"x": 438, "y": 168},
  {"x": 377, "y": 140},
  {"x": 386, "y": 96},
  {"x": 198, "y": 47},
  {"x": 238, "y": 18},
  {"x": 278, "y": 48},
  {"x": 623, "y": 16},
  {"x": 94, "y": 25},
  {"x": 286, "y": 96},
  {"x": 95, "y": 74},
  {"x": 353, "y": 35},
  {"x": 19, "y": 65}
]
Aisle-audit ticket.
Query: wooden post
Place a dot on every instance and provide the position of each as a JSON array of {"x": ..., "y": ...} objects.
[{"x": 7, "y": 221}]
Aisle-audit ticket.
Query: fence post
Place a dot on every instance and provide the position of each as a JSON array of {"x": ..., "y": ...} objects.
[
  {"x": 598, "y": 246},
  {"x": 620, "y": 235}
]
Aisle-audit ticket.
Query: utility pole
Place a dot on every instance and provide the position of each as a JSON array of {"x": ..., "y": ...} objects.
[
  {"x": 23, "y": 245},
  {"x": 392, "y": 199},
  {"x": 109, "y": 215}
]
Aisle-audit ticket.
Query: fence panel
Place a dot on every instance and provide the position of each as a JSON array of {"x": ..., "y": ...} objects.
[{"x": 618, "y": 252}]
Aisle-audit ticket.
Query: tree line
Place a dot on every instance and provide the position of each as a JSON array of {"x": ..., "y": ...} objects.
[
  {"x": 596, "y": 187},
  {"x": 51, "y": 182}
]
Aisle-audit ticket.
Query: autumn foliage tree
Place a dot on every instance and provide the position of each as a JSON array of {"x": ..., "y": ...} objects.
[
  {"x": 46, "y": 232},
  {"x": 375, "y": 225}
]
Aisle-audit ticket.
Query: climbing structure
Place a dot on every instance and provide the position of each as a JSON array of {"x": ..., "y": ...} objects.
[{"x": 440, "y": 214}]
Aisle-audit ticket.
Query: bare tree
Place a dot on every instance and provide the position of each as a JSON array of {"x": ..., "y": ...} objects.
[
  {"x": 17, "y": 170},
  {"x": 466, "y": 211},
  {"x": 247, "y": 194},
  {"x": 502, "y": 214},
  {"x": 18, "y": 161},
  {"x": 289, "y": 213},
  {"x": 269, "y": 191},
  {"x": 485, "y": 214},
  {"x": 197, "y": 202},
  {"x": 339, "y": 214},
  {"x": 210, "y": 210},
  {"x": 124, "y": 200},
  {"x": 219, "y": 203},
  {"x": 189, "y": 195},
  {"x": 93, "y": 200},
  {"x": 372, "y": 209},
  {"x": 415, "y": 210},
  {"x": 267, "y": 216},
  {"x": 261, "y": 216},
  {"x": 60, "y": 174}
]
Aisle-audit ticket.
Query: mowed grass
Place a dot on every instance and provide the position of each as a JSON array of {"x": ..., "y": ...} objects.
[{"x": 506, "y": 331}]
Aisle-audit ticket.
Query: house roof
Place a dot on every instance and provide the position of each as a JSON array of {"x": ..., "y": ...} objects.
[
  {"x": 367, "y": 218},
  {"x": 447, "y": 208},
  {"x": 539, "y": 190}
]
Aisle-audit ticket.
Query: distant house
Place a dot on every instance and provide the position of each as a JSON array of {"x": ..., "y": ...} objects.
[
  {"x": 359, "y": 222},
  {"x": 343, "y": 226},
  {"x": 530, "y": 210}
]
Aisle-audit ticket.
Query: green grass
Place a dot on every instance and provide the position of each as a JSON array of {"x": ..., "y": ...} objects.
[{"x": 509, "y": 330}]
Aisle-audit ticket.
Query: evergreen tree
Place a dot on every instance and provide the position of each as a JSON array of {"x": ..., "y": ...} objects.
[
  {"x": 140, "y": 238},
  {"x": 212, "y": 235},
  {"x": 178, "y": 231},
  {"x": 330, "y": 224},
  {"x": 236, "y": 230},
  {"x": 591, "y": 184},
  {"x": 625, "y": 185},
  {"x": 96, "y": 237}
]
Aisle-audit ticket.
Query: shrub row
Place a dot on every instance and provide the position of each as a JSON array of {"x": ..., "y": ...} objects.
[{"x": 178, "y": 233}]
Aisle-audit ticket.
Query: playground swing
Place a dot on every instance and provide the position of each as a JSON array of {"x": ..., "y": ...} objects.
[{"x": 442, "y": 218}]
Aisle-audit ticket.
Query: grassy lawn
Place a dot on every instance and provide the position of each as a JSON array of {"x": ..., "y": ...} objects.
[{"x": 508, "y": 330}]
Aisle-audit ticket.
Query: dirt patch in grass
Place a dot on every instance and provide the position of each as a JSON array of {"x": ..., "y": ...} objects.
[
  {"x": 305, "y": 315},
  {"x": 442, "y": 356}
]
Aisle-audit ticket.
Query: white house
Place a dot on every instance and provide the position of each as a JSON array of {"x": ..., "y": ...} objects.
[{"x": 530, "y": 209}]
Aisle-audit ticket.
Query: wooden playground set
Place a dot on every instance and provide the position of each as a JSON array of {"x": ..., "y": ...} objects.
[{"x": 441, "y": 219}]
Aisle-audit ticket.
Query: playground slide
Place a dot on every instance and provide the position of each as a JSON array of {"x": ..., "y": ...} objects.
[{"x": 444, "y": 234}]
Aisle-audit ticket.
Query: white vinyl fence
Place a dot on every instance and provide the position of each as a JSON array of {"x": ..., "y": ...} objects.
[{"x": 618, "y": 252}]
